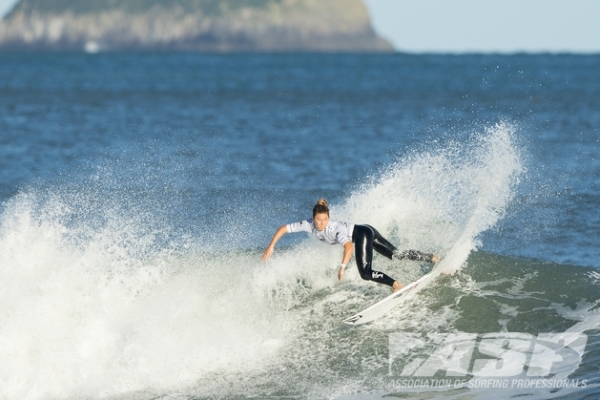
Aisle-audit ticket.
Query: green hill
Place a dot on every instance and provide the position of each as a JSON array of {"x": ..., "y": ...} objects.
[
  {"x": 195, "y": 25},
  {"x": 207, "y": 7}
]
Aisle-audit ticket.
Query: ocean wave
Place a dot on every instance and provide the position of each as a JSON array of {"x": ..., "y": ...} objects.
[{"x": 103, "y": 297}]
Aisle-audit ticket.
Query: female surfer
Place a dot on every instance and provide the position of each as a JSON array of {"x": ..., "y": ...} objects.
[{"x": 365, "y": 238}]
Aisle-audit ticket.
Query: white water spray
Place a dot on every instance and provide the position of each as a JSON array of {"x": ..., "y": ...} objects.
[{"x": 105, "y": 307}]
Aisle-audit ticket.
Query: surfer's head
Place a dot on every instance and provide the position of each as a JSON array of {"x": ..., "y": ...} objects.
[
  {"x": 321, "y": 214},
  {"x": 321, "y": 207}
]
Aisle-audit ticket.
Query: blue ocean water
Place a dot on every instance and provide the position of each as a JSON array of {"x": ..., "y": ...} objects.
[{"x": 138, "y": 192}]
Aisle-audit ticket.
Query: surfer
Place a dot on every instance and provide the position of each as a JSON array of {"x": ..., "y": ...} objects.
[{"x": 364, "y": 238}]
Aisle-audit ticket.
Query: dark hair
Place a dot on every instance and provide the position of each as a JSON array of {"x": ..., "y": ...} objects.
[{"x": 321, "y": 207}]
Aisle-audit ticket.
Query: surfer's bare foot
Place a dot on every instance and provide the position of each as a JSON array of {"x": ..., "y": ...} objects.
[{"x": 396, "y": 286}]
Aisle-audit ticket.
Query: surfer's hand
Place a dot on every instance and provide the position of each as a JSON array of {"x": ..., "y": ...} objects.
[
  {"x": 341, "y": 271},
  {"x": 271, "y": 247},
  {"x": 268, "y": 252}
]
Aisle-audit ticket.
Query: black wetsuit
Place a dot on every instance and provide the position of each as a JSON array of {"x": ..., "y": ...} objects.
[{"x": 366, "y": 239}]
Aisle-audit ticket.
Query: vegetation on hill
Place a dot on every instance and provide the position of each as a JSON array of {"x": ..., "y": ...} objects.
[
  {"x": 190, "y": 25},
  {"x": 211, "y": 8}
]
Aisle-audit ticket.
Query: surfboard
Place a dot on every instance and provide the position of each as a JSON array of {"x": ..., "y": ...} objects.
[{"x": 380, "y": 308}]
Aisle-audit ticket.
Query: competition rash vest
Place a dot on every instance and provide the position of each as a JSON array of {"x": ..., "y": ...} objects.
[{"x": 335, "y": 232}]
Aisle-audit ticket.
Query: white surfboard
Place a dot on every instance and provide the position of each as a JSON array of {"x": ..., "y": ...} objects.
[{"x": 385, "y": 305}]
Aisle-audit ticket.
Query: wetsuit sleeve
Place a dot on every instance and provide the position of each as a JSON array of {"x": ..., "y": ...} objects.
[{"x": 302, "y": 226}]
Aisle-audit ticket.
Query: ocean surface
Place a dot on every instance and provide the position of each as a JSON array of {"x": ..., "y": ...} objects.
[{"x": 138, "y": 192}]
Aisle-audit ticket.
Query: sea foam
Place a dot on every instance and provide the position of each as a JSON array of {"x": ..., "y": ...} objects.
[{"x": 100, "y": 297}]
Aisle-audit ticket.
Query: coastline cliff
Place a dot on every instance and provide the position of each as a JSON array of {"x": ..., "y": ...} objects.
[{"x": 190, "y": 25}]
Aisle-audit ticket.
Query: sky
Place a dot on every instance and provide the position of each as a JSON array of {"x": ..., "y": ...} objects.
[
  {"x": 482, "y": 26},
  {"x": 504, "y": 26}
]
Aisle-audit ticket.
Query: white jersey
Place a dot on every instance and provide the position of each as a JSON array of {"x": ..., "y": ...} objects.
[{"x": 335, "y": 232}]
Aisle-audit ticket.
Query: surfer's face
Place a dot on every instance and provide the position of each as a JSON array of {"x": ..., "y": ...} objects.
[{"x": 321, "y": 220}]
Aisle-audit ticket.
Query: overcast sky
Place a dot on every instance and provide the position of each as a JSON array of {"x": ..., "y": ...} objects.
[{"x": 481, "y": 25}]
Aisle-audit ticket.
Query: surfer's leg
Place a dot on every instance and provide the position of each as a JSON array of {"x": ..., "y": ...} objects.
[
  {"x": 363, "y": 238},
  {"x": 415, "y": 255},
  {"x": 386, "y": 249},
  {"x": 382, "y": 245}
]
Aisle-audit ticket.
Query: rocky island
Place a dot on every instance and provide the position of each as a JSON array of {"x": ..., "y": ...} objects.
[{"x": 190, "y": 25}]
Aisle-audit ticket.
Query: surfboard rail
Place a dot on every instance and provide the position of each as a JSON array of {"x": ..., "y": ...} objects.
[{"x": 383, "y": 306}]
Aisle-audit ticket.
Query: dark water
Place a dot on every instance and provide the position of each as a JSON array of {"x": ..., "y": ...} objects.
[{"x": 138, "y": 191}]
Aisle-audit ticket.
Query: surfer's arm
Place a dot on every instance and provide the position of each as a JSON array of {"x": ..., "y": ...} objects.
[
  {"x": 348, "y": 248},
  {"x": 271, "y": 248}
]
